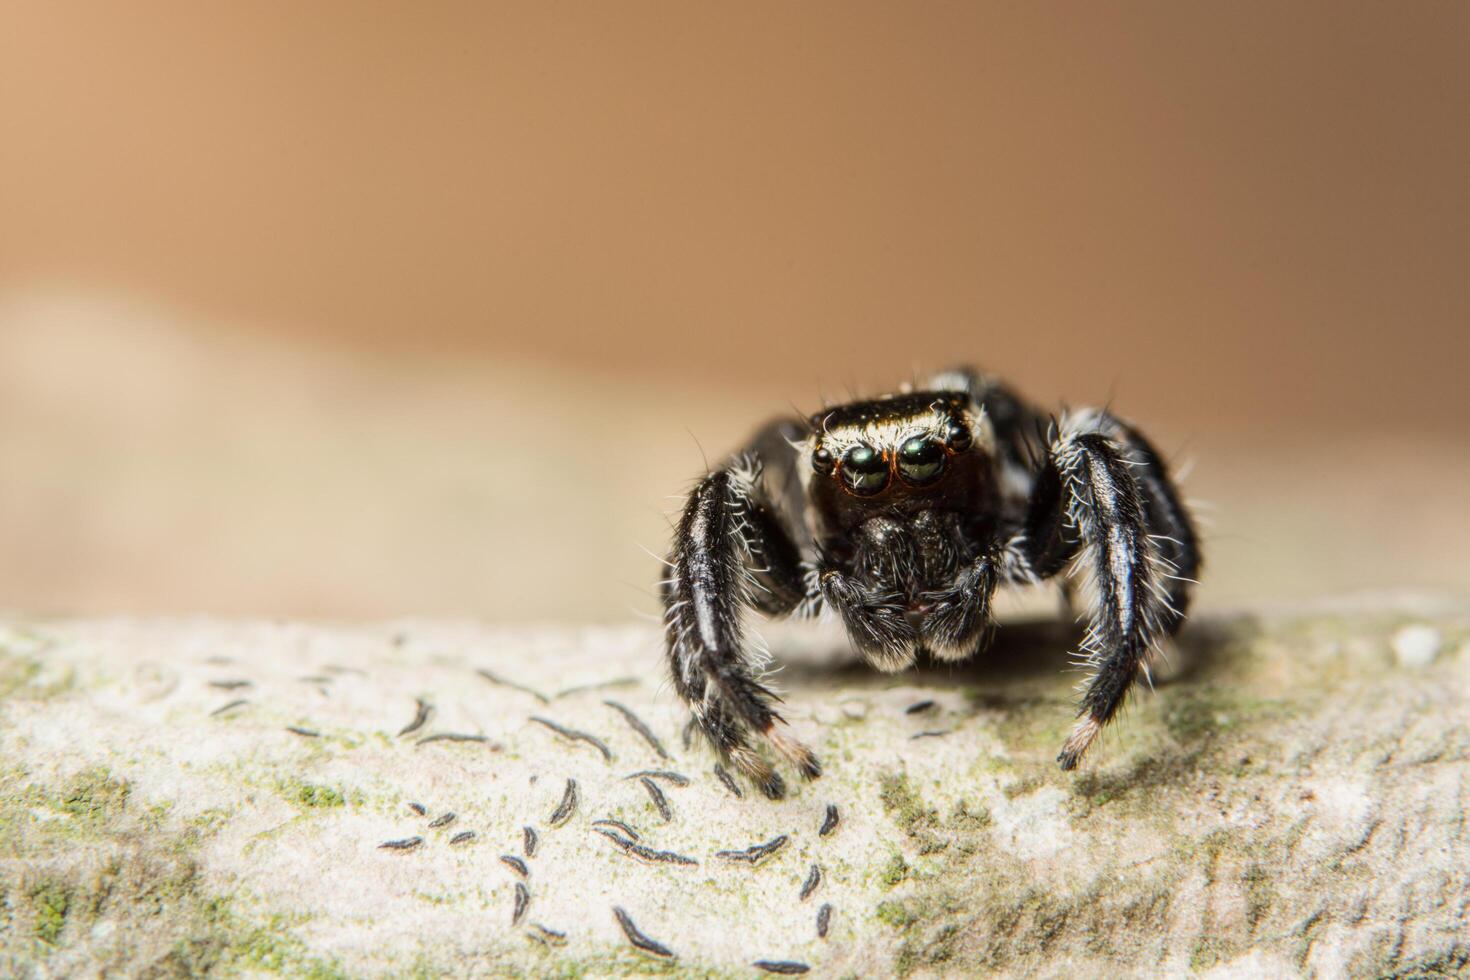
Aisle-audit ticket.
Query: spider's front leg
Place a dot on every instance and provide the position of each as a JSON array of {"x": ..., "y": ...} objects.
[
  {"x": 731, "y": 552},
  {"x": 1105, "y": 495}
]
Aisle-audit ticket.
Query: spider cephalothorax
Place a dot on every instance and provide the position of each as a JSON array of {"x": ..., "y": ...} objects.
[{"x": 901, "y": 515}]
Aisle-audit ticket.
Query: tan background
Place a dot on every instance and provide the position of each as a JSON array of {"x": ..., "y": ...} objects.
[{"x": 361, "y": 309}]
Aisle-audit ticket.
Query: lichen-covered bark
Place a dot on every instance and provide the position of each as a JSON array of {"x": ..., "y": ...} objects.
[{"x": 189, "y": 797}]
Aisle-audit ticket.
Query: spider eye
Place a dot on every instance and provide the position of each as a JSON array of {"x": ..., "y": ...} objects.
[
  {"x": 864, "y": 470},
  {"x": 823, "y": 461},
  {"x": 920, "y": 460},
  {"x": 957, "y": 436}
]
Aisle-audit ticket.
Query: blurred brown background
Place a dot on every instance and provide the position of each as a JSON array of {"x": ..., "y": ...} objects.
[{"x": 352, "y": 309}]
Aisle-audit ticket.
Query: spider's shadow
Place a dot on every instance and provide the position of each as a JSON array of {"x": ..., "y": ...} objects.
[{"x": 1024, "y": 653}]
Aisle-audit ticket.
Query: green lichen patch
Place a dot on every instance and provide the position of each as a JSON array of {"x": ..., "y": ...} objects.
[
  {"x": 34, "y": 819},
  {"x": 94, "y": 795},
  {"x": 1198, "y": 717},
  {"x": 224, "y": 941},
  {"x": 162, "y": 921},
  {"x": 49, "y": 903},
  {"x": 273, "y": 947},
  {"x": 930, "y": 924},
  {"x": 312, "y": 794},
  {"x": 63, "y": 895},
  {"x": 917, "y": 820},
  {"x": 80, "y": 857},
  {"x": 894, "y": 873},
  {"x": 898, "y": 915},
  {"x": 965, "y": 817},
  {"x": 1256, "y": 880}
]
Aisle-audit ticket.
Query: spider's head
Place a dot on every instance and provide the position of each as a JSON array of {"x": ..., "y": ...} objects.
[{"x": 897, "y": 454}]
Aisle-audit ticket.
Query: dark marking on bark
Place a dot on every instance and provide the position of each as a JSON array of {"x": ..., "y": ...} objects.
[
  {"x": 610, "y": 822},
  {"x": 406, "y": 844},
  {"x": 566, "y": 807},
  {"x": 659, "y": 800},
  {"x": 494, "y": 678},
  {"x": 420, "y": 715},
  {"x": 729, "y": 782},
  {"x": 677, "y": 778},
  {"x": 576, "y": 736},
  {"x": 456, "y": 737},
  {"x": 638, "y": 726},
  {"x": 596, "y": 686},
  {"x": 547, "y": 937},
  {"x": 638, "y": 850},
  {"x": 813, "y": 879},
  {"x": 756, "y": 853},
  {"x": 638, "y": 938}
]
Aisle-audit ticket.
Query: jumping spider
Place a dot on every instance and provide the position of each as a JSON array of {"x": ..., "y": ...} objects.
[{"x": 902, "y": 514}]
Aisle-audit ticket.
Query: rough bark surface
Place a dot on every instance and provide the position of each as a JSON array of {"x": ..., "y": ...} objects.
[{"x": 185, "y": 797}]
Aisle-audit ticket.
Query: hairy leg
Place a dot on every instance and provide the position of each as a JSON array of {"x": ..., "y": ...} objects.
[
  {"x": 730, "y": 553},
  {"x": 1169, "y": 523},
  {"x": 1104, "y": 498}
]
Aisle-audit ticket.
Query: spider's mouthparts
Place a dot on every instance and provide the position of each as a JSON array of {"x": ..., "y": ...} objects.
[{"x": 917, "y": 611}]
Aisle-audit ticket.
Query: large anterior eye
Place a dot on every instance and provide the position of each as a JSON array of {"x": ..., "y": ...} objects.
[
  {"x": 864, "y": 470},
  {"x": 920, "y": 460}
]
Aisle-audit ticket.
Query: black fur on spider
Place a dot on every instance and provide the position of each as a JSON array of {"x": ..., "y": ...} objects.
[{"x": 902, "y": 515}]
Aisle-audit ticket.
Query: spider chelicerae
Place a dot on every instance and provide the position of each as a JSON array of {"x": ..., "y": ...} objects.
[{"x": 902, "y": 515}]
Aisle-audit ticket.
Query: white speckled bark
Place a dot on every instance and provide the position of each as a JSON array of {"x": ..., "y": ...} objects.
[{"x": 1293, "y": 801}]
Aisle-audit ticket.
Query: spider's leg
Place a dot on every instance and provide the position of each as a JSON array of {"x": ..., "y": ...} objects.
[
  {"x": 730, "y": 552},
  {"x": 1169, "y": 523},
  {"x": 1104, "y": 498}
]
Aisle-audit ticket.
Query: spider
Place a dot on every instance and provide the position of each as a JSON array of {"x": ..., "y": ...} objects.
[{"x": 902, "y": 515}]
